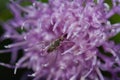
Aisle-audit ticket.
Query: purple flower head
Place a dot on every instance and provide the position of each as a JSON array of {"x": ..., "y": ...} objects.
[{"x": 65, "y": 39}]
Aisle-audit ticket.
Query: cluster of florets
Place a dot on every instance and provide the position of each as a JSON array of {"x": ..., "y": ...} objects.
[{"x": 65, "y": 39}]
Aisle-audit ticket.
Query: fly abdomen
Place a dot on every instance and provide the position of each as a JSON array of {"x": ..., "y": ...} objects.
[
  {"x": 53, "y": 46},
  {"x": 56, "y": 43}
]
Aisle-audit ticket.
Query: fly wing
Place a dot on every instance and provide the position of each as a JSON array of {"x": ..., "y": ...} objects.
[{"x": 51, "y": 58}]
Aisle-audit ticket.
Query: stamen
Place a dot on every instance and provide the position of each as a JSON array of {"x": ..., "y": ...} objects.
[
  {"x": 22, "y": 27},
  {"x": 13, "y": 36},
  {"x": 88, "y": 73},
  {"x": 5, "y": 51},
  {"x": 20, "y": 7},
  {"x": 99, "y": 74},
  {"x": 49, "y": 77},
  {"x": 71, "y": 28},
  {"x": 56, "y": 25},
  {"x": 73, "y": 77},
  {"x": 69, "y": 50},
  {"x": 22, "y": 60},
  {"x": 90, "y": 56},
  {"x": 6, "y": 65},
  {"x": 15, "y": 70},
  {"x": 65, "y": 27},
  {"x": 32, "y": 75},
  {"x": 37, "y": 46},
  {"x": 45, "y": 65},
  {"x": 27, "y": 21},
  {"x": 69, "y": 34},
  {"x": 16, "y": 44},
  {"x": 51, "y": 20}
]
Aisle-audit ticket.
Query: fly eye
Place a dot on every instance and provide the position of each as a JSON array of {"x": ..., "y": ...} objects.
[{"x": 65, "y": 35}]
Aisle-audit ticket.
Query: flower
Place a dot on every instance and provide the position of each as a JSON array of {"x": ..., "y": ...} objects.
[{"x": 65, "y": 39}]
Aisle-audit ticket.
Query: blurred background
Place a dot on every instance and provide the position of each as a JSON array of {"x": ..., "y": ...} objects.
[
  {"x": 6, "y": 73},
  {"x": 5, "y": 14}
]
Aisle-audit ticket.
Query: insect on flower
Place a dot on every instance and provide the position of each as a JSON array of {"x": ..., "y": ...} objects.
[{"x": 55, "y": 44}]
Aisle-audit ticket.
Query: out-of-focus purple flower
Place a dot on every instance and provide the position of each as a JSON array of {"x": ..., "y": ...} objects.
[{"x": 65, "y": 39}]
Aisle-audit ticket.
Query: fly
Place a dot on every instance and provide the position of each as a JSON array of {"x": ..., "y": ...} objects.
[{"x": 55, "y": 44}]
